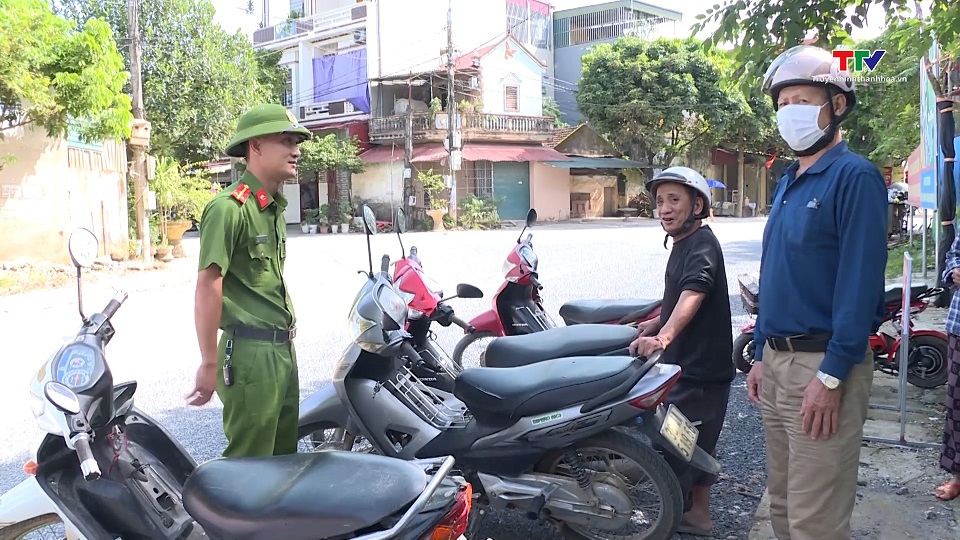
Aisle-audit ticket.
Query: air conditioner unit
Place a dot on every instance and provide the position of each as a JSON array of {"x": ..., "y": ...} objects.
[{"x": 360, "y": 36}]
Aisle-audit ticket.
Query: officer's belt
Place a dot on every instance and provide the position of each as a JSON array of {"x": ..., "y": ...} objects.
[{"x": 263, "y": 334}]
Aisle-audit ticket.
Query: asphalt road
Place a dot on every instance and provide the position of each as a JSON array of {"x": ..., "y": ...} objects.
[{"x": 155, "y": 342}]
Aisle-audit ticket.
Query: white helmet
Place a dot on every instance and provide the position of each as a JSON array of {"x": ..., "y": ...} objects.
[
  {"x": 811, "y": 66},
  {"x": 687, "y": 177}
]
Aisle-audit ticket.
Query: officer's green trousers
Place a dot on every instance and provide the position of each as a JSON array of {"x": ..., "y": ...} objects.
[{"x": 262, "y": 406}]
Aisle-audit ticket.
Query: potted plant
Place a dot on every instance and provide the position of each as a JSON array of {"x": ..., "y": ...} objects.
[
  {"x": 346, "y": 212},
  {"x": 305, "y": 225},
  {"x": 313, "y": 219},
  {"x": 324, "y": 223},
  {"x": 181, "y": 197},
  {"x": 433, "y": 186}
]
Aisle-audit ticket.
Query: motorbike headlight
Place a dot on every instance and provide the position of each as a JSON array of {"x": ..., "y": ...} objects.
[
  {"x": 359, "y": 326},
  {"x": 529, "y": 257}
]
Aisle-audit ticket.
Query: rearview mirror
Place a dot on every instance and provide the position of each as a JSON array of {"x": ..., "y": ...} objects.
[
  {"x": 83, "y": 247},
  {"x": 369, "y": 220},
  {"x": 62, "y": 398},
  {"x": 531, "y": 217},
  {"x": 468, "y": 291},
  {"x": 400, "y": 221}
]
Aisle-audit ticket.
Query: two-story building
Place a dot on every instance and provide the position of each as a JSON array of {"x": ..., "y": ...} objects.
[
  {"x": 344, "y": 58},
  {"x": 501, "y": 130}
]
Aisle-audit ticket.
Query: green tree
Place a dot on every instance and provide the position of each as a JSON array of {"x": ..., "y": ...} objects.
[
  {"x": 655, "y": 98},
  {"x": 551, "y": 109},
  {"x": 60, "y": 77},
  {"x": 887, "y": 126},
  {"x": 197, "y": 78},
  {"x": 762, "y": 28},
  {"x": 330, "y": 152}
]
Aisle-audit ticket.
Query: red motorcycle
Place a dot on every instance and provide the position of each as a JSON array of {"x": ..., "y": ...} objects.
[
  {"x": 927, "y": 359},
  {"x": 518, "y": 306}
]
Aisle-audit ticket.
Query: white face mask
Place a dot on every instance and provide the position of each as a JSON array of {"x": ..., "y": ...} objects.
[{"x": 798, "y": 125}]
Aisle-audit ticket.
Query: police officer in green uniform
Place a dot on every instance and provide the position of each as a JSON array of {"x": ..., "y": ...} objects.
[{"x": 241, "y": 290}]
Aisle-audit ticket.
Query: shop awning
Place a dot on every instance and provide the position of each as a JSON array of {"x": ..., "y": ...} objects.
[
  {"x": 387, "y": 154},
  {"x": 596, "y": 163},
  {"x": 510, "y": 152},
  {"x": 471, "y": 152}
]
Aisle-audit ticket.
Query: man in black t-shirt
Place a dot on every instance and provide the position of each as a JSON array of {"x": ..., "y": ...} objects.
[{"x": 694, "y": 329}]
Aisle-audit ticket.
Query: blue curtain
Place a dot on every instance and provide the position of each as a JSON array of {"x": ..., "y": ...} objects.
[{"x": 342, "y": 76}]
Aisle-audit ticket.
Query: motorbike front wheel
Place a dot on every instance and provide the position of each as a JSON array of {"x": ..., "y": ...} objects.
[
  {"x": 622, "y": 461},
  {"x": 927, "y": 363},
  {"x": 743, "y": 352},
  {"x": 34, "y": 528}
]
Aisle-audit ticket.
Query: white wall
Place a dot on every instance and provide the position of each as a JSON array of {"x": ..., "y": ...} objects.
[
  {"x": 520, "y": 70},
  {"x": 380, "y": 183}
]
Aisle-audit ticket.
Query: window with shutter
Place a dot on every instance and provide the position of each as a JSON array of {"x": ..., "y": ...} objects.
[{"x": 511, "y": 97}]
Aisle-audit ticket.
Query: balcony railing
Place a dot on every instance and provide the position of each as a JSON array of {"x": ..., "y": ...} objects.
[
  {"x": 475, "y": 127},
  {"x": 328, "y": 20}
]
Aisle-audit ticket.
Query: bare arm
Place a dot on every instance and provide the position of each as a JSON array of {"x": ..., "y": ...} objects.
[
  {"x": 687, "y": 307},
  {"x": 208, "y": 306}
]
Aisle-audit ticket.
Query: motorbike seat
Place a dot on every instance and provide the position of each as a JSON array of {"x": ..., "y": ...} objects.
[
  {"x": 547, "y": 386},
  {"x": 299, "y": 496},
  {"x": 894, "y": 293},
  {"x": 560, "y": 342},
  {"x": 605, "y": 311}
]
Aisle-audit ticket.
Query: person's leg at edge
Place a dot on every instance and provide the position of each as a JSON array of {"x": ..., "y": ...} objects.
[
  {"x": 287, "y": 425},
  {"x": 716, "y": 397},
  {"x": 823, "y": 473},
  {"x": 950, "y": 453},
  {"x": 251, "y": 405},
  {"x": 775, "y": 365}
]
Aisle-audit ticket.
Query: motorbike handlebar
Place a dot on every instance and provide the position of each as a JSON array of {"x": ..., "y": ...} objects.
[
  {"x": 533, "y": 280},
  {"x": 384, "y": 263},
  {"x": 114, "y": 304},
  {"x": 88, "y": 463},
  {"x": 462, "y": 324}
]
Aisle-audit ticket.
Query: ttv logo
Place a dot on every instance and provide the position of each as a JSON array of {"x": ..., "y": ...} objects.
[{"x": 870, "y": 59}]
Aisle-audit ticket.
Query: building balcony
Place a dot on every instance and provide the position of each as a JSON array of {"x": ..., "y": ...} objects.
[
  {"x": 474, "y": 127},
  {"x": 317, "y": 26}
]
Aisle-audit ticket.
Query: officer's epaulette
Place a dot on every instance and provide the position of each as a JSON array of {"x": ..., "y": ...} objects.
[{"x": 241, "y": 193}]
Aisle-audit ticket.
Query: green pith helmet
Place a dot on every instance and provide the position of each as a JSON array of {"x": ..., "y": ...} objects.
[{"x": 263, "y": 120}]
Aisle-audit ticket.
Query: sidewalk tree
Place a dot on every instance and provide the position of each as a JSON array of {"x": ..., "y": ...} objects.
[
  {"x": 655, "y": 98},
  {"x": 330, "y": 153},
  {"x": 887, "y": 128},
  {"x": 197, "y": 78},
  {"x": 58, "y": 77}
]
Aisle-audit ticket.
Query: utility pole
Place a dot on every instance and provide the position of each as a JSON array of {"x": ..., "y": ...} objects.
[
  {"x": 408, "y": 151},
  {"x": 451, "y": 111},
  {"x": 138, "y": 167}
]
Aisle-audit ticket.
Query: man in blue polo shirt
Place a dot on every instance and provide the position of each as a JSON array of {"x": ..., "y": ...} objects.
[{"x": 821, "y": 295}]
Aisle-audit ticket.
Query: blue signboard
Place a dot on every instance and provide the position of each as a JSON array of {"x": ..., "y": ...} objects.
[
  {"x": 928, "y": 137},
  {"x": 928, "y": 188}
]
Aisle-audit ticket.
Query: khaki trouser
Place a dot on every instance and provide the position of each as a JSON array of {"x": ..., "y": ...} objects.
[{"x": 812, "y": 484}]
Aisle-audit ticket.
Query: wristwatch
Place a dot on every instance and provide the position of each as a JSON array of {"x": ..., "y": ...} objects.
[{"x": 829, "y": 381}]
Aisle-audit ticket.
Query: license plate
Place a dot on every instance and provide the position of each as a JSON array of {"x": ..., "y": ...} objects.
[{"x": 679, "y": 432}]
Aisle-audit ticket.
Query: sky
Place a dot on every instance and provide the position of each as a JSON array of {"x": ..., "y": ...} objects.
[{"x": 231, "y": 16}]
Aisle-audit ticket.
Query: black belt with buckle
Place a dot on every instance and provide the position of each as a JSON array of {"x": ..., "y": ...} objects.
[
  {"x": 263, "y": 334},
  {"x": 811, "y": 343}
]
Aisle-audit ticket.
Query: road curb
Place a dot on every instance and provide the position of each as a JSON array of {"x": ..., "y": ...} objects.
[{"x": 762, "y": 530}]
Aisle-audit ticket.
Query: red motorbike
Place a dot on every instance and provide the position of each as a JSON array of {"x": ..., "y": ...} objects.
[
  {"x": 927, "y": 360},
  {"x": 425, "y": 305},
  {"x": 518, "y": 306}
]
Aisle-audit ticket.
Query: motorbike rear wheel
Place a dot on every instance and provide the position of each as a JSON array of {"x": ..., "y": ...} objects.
[
  {"x": 30, "y": 529},
  {"x": 468, "y": 340},
  {"x": 743, "y": 352},
  {"x": 927, "y": 362},
  {"x": 648, "y": 465}
]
